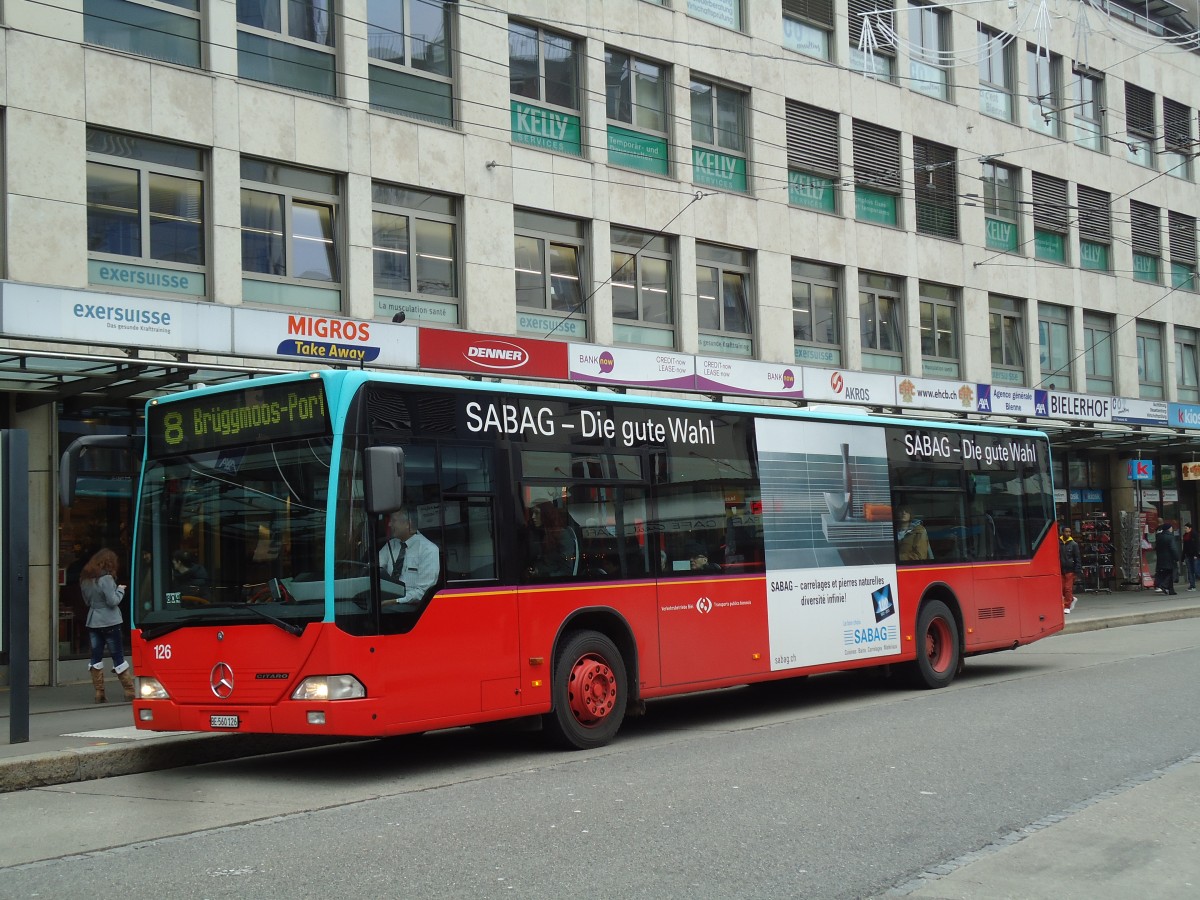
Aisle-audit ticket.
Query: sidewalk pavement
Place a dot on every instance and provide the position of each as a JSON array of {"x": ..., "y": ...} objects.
[{"x": 72, "y": 739}]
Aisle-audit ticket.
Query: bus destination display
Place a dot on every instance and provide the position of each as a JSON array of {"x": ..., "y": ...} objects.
[{"x": 269, "y": 413}]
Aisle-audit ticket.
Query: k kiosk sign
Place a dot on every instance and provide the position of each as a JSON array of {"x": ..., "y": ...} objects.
[{"x": 499, "y": 357}]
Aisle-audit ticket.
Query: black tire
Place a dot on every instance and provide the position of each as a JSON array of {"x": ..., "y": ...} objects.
[
  {"x": 939, "y": 655},
  {"x": 589, "y": 692}
]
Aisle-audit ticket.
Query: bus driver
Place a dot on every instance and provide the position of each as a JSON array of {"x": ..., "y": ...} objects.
[{"x": 409, "y": 558}]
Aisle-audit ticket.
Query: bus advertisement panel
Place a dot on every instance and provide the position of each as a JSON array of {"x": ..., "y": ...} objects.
[{"x": 359, "y": 554}]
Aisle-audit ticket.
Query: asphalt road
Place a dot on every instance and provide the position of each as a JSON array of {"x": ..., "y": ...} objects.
[{"x": 843, "y": 786}]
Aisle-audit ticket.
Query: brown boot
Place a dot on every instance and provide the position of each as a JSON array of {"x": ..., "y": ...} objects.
[
  {"x": 126, "y": 678},
  {"x": 98, "y": 684}
]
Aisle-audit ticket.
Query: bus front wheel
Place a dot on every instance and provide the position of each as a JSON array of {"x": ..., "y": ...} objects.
[
  {"x": 938, "y": 653},
  {"x": 589, "y": 692}
]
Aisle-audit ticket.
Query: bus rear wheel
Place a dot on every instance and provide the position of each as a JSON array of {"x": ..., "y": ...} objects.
[
  {"x": 938, "y": 652},
  {"x": 589, "y": 692}
]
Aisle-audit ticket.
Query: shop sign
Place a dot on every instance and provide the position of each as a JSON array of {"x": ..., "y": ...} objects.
[
  {"x": 1139, "y": 412},
  {"x": 719, "y": 170},
  {"x": 56, "y": 314},
  {"x": 874, "y": 206},
  {"x": 719, "y": 12},
  {"x": 1140, "y": 470},
  {"x": 323, "y": 339},
  {"x": 1191, "y": 471},
  {"x": 1002, "y": 400},
  {"x": 1183, "y": 415},
  {"x": 637, "y": 151},
  {"x": 1050, "y": 246},
  {"x": 1000, "y": 235},
  {"x": 551, "y": 326},
  {"x": 145, "y": 278},
  {"x": 1078, "y": 407},
  {"x": 429, "y": 311},
  {"x": 1087, "y": 495},
  {"x": 928, "y": 393},
  {"x": 636, "y": 368},
  {"x": 545, "y": 128},
  {"x": 738, "y": 376},
  {"x": 804, "y": 38},
  {"x": 495, "y": 355},
  {"x": 1145, "y": 267},
  {"x": 1093, "y": 256},
  {"x": 843, "y": 386},
  {"x": 811, "y": 191}
]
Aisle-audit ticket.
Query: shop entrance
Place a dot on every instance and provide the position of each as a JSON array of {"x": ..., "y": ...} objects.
[{"x": 100, "y": 514}]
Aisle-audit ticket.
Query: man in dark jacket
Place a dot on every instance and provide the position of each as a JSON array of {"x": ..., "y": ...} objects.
[
  {"x": 1166, "y": 553},
  {"x": 1070, "y": 560},
  {"x": 1191, "y": 552}
]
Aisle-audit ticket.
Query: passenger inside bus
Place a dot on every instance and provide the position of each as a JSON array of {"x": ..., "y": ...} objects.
[
  {"x": 553, "y": 544},
  {"x": 912, "y": 541},
  {"x": 188, "y": 576},
  {"x": 408, "y": 559},
  {"x": 698, "y": 558}
]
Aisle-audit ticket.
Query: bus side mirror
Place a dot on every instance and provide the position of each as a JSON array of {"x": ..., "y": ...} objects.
[
  {"x": 70, "y": 465},
  {"x": 384, "y": 479}
]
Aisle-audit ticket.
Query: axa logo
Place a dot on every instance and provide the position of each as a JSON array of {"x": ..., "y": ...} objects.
[
  {"x": 221, "y": 681},
  {"x": 497, "y": 355}
]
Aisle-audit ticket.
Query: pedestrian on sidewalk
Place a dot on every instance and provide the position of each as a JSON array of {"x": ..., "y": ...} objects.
[
  {"x": 1166, "y": 553},
  {"x": 1191, "y": 552},
  {"x": 103, "y": 596},
  {"x": 1070, "y": 560}
]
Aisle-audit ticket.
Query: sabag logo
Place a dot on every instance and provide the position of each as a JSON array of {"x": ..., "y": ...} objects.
[
  {"x": 496, "y": 355},
  {"x": 836, "y": 382},
  {"x": 607, "y": 363}
]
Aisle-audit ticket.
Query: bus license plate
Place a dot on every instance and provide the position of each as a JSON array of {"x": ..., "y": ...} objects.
[{"x": 223, "y": 721}]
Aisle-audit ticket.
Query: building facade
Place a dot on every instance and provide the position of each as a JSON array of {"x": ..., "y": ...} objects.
[{"x": 985, "y": 210}]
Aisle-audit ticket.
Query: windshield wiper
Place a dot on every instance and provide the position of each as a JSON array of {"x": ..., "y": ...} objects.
[
  {"x": 157, "y": 631},
  {"x": 290, "y": 627}
]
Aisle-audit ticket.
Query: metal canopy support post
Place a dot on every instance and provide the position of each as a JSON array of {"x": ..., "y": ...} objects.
[{"x": 14, "y": 577}]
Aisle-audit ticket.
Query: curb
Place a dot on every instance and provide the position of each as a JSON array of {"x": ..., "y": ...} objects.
[
  {"x": 169, "y": 752},
  {"x": 1143, "y": 618}
]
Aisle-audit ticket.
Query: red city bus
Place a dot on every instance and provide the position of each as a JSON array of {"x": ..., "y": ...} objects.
[{"x": 348, "y": 553}]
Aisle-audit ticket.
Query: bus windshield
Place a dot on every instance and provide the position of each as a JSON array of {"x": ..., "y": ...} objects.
[{"x": 234, "y": 535}]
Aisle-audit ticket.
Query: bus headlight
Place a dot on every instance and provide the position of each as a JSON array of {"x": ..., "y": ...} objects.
[
  {"x": 147, "y": 688},
  {"x": 329, "y": 687}
]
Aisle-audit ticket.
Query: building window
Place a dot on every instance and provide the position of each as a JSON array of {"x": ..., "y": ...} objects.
[
  {"x": 816, "y": 313},
  {"x": 808, "y": 26},
  {"x": 1095, "y": 229},
  {"x": 1001, "y": 212},
  {"x": 414, "y": 242},
  {"x": 723, "y": 300},
  {"x": 1054, "y": 344},
  {"x": 718, "y": 135},
  {"x": 1045, "y": 97},
  {"x": 881, "y": 327},
  {"x": 643, "y": 288},
  {"x": 1145, "y": 228},
  {"x": 169, "y": 31},
  {"x": 1178, "y": 144},
  {"x": 544, "y": 67},
  {"x": 1098, "y": 352},
  {"x": 290, "y": 234},
  {"x": 1181, "y": 232},
  {"x": 636, "y": 102},
  {"x": 1051, "y": 218},
  {"x": 877, "y": 172},
  {"x": 1187, "y": 364},
  {"x": 289, "y": 43},
  {"x": 550, "y": 275},
  {"x": 411, "y": 46},
  {"x": 996, "y": 86},
  {"x": 1087, "y": 107},
  {"x": 929, "y": 48},
  {"x": 872, "y": 27},
  {"x": 1007, "y": 330},
  {"x": 935, "y": 179},
  {"x": 1150, "y": 361},
  {"x": 814, "y": 164},
  {"x": 939, "y": 331},
  {"x": 145, "y": 214},
  {"x": 726, "y": 13},
  {"x": 1139, "y": 126}
]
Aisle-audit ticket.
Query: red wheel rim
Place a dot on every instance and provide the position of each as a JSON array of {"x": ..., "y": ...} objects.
[
  {"x": 937, "y": 645},
  {"x": 591, "y": 690}
]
